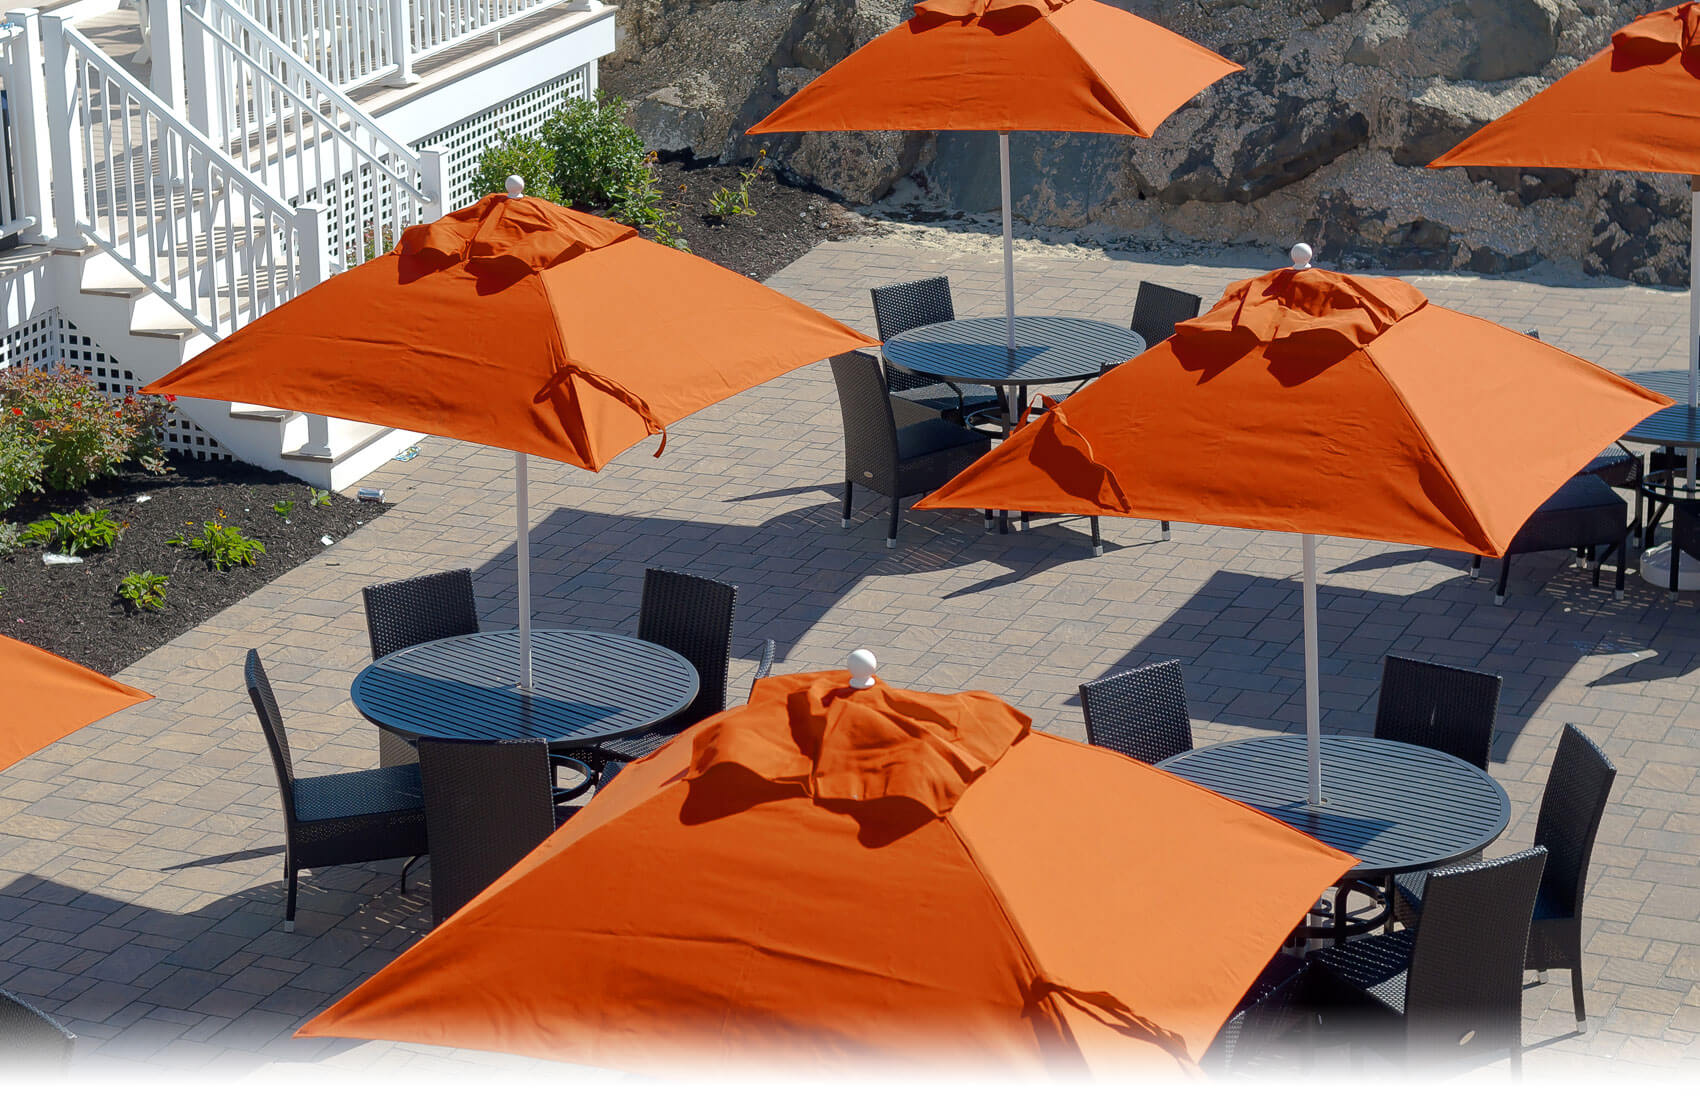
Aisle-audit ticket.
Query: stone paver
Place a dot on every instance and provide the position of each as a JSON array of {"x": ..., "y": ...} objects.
[{"x": 139, "y": 858}]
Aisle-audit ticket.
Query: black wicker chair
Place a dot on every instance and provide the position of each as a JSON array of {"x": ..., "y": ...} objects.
[
  {"x": 487, "y": 804},
  {"x": 1140, "y": 713},
  {"x": 1452, "y": 988},
  {"x": 31, "y": 1042},
  {"x": 410, "y": 612},
  {"x": 354, "y": 817},
  {"x": 1571, "y": 807},
  {"x": 1157, "y": 308},
  {"x": 1273, "y": 1008},
  {"x": 1438, "y": 706},
  {"x": 900, "y": 307},
  {"x": 1584, "y": 514},
  {"x": 895, "y": 462},
  {"x": 1684, "y": 536}
]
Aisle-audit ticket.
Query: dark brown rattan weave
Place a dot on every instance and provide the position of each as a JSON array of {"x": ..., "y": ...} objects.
[
  {"x": 1140, "y": 713},
  {"x": 1684, "y": 534},
  {"x": 31, "y": 1042},
  {"x": 410, "y": 612},
  {"x": 1271, "y": 1010},
  {"x": 487, "y": 804},
  {"x": 1452, "y": 989},
  {"x": 1157, "y": 308},
  {"x": 892, "y": 461},
  {"x": 354, "y": 817},
  {"x": 900, "y": 307},
  {"x": 1438, "y": 706}
]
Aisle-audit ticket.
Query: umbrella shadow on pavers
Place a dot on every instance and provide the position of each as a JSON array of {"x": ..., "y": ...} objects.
[
  {"x": 216, "y": 988},
  {"x": 1240, "y": 638}
]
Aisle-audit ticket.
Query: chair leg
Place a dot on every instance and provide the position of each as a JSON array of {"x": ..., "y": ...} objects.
[
  {"x": 1165, "y": 531},
  {"x": 1504, "y": 575},
  {"x": 849, "y": 492},
  {"x": 991, "y": 522},
  {"x": 289, "y": 899},
  {"x": 1622, "y": 562},
  {"x": 1475, "y": 566},
  {"x": 1598, "y": 564},
  {"x": 405, "y": 868},
  {"x": 1517, "y": 1059},
  {"x": 1097, "y": 540},
  {"x": 1576, "y": 996},
  {"x": 896, "y": 515}
]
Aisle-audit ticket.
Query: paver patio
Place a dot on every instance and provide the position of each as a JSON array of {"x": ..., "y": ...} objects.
[{"x": 140, "y": 898}]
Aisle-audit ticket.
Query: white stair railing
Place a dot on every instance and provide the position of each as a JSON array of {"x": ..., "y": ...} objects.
[
  {"x": 169, "y": 206},
  {"x": 295, "y": 131},
  {"x": 440, "y": 24},
  {"x": 23, "y": 176}
]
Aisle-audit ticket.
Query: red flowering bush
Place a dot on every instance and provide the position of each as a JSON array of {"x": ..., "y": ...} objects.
[{"x": 59, "y": 431}]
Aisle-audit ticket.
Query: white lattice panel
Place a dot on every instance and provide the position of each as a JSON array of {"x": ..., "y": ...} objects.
[
  {"x": 467, "y": 140},
  {"x": 50, "y": 338}
]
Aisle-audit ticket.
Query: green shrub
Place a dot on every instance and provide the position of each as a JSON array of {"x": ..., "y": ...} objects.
[
  {"x": 78, "y": 433},
  {"x": 222, "y": 546},
  {"x": 596, "y": 154},
  {"x": 20, "y": 459},
  {"x": 10, "y": 539},
  {"x": 531, "y": 158},
  {"x": 75, "y": 533},
  {"x": 143, "y": 590}
]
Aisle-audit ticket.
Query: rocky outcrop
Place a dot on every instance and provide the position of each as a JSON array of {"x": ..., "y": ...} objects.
[{"x": 1323, "y": 136}]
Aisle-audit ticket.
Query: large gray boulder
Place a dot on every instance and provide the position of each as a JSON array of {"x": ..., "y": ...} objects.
[{"x": 1326, "y": 134}]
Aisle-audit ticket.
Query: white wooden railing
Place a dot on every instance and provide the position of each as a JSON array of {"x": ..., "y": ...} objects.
[
  {"x": 297, "y": 133},
  {"x": 170, "y": 206},
  {"x": 23, "y": 181},
  {"x": 352, "y": 42}
]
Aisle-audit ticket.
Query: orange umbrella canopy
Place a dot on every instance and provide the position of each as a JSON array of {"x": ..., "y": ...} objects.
[
  {"x": 833, "y": 877},
  {"x": 1312, "y": 402},
  {"x": 45, "y": 697},
  {"x": 1004, "y": 65},
  {"x": 520, "y": 324},
  {"x": 1633, "y": 106}
]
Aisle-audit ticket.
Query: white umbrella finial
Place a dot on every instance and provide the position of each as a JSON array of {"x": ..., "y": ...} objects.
[
  {"x": 862, "y": 665},
  {"x": 516, "y": 186},
  {"x": 1301, "y": 254}
]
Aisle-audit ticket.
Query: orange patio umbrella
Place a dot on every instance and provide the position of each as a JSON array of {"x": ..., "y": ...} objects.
[
  {"x": 1002, "y": 65},
  {"x": 1312, "y": 402},
  {"x": 520, "y": 324},
  {"x": 1634, "y": 106},
  {"x": 842, "y": 874},
  {"x": 44, "y": 697}
]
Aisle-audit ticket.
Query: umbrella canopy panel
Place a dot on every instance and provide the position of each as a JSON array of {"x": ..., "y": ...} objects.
[
  {"x": 46, "y": 697},
  {"x": 834, "y": 877}
]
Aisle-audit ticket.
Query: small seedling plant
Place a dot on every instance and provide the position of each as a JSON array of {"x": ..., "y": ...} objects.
[
  {"x": 222, "y": 546},
  {"x": 143, "y": 590},
  {"x": 318, "y": 496},
  {"x": 283, "y": 507},
  {"x": 75, "y": 533},
  {"x": 729, "y": 201}
]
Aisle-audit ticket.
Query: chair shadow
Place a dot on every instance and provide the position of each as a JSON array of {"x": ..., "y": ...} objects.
[{"x": 227, "y": 857}]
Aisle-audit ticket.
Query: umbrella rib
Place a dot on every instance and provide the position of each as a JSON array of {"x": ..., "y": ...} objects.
[{"x": 1123, "y": 111}]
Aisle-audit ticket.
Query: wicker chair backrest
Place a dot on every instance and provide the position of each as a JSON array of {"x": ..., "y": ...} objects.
[
  {"x": 271, "y": 721},
  {"x": 1140, "y": 713},
  {"x": 900, "y": 307},
  {"x": 1437, "y": 706},
  {"x": 487, "y": 804},
  {"x": 410, "y": 612},
  {"x": 1685, "y": 527},
  {"x": 30, "y": 1040},
  {"x": 1464, "y": 991},
  {"x": 1571, "y": 807},
  {"x": 870, "y": 428},
  {"x": 692, "y": 615},
  {"x": 1157, "y": 308}
]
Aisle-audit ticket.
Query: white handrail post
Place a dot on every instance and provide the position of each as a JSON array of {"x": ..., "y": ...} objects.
[
  {"x": 70, "y": 208},
  {"x": 313, "y": 232},
  {"x": 435, "y": 183},
  {"x": 401, "y": 41},
  {"x": 199, "y": 97},
  {"x": 165, "y": 42},
  {"x": 27, "y": 100}
]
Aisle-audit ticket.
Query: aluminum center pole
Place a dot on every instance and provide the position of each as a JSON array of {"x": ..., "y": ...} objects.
[
  {"x": 1313, "y": 697},
  {"x": 522, "y": 542},
  {"x": 1008, "y": 244}
]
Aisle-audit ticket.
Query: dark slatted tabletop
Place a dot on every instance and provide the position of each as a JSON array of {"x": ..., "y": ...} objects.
[
  {"x": 1048, "y": 349},
  {"x": 1677, "y": 426},
  {"x": 589, "y": 687},
  {"x": 1397, "y": 807}
]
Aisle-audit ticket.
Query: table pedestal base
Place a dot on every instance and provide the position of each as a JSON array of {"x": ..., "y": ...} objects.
[{"x": 1655, "y": 569}]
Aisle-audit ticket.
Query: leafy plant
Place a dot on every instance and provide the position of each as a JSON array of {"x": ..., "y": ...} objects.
[
  {"x": 222, "y": 546},
  {"x": 282, "y": 508},
  {"x": 143, "y": 590},
  {"x": 74, "y": 533},
  {"x": 75, "y": 432},
  {"x": 374, "y": 243},
  {"x": 527, "y": 156},
  {"x": 638, "y": 203},
  {"x": 10, "y": 540},
  {"x": 597, "y": 155},
  {"x": 318, "y": 496},
  {"x": 729, "y": 201}
]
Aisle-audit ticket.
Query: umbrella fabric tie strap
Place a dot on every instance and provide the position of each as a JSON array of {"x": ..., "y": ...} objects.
[
  {"x": 632, "y": 399},
  {"x": 1656, "y": 37},
  {"x": 1111, "y": 1012},
  {"x": 975, "y": 9},
  {"x": 843, "y": 744}
]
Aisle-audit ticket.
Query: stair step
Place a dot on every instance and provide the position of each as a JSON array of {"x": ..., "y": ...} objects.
[
  {"x": 339, "y": 454},
  {"x": 259, "y": 414}
]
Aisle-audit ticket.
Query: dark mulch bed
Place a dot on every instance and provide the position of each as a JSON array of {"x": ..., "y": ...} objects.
[
  {"x": 74, "y": 610},
  {"x": 788, "y": 221}
]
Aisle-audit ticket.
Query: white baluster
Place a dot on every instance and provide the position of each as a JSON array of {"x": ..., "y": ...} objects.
[
  {"x": 165, "y": 42},
  {"x": 401, "y": 42},
  {"x": 26, "y": 95},
  {"x": 64, "y": 120}
]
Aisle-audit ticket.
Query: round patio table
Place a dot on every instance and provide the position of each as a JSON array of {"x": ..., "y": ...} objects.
[
  {"x": 1676, "y": 427},
  {"x": 589, "y": 687},
  {"x": 1397, "y": 807}
]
